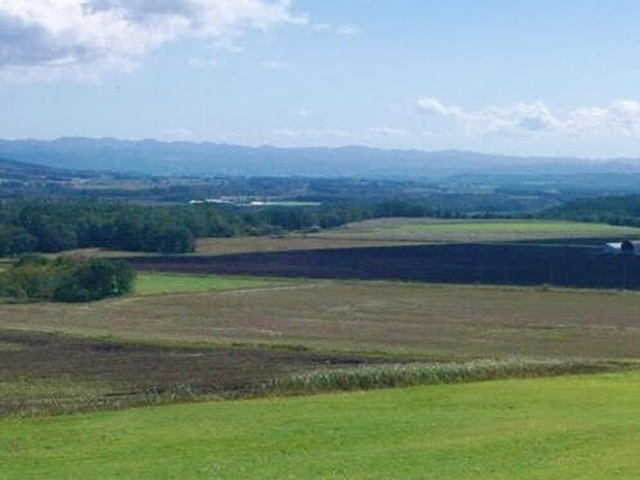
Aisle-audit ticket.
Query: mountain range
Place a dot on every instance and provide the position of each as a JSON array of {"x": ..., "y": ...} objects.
[{"x": 155, "y": 157}]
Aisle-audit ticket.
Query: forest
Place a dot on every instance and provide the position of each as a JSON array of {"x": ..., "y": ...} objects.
[
  {"x": 614, "y": 210},
  {"x": 56, "y": 225}
]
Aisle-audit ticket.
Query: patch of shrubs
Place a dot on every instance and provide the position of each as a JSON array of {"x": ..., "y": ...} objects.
[{"x": 65, "y": 279}]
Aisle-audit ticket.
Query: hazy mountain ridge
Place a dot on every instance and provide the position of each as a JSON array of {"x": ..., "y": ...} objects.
[
  {"x": 17, "y": 169},
  {"x": 188, "y": 158}
]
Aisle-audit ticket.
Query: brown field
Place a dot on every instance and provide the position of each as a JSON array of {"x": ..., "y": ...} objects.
[
  {"x": 430, "y": 320},
  {"x": 224, "y": 246},
  {"x": 47, "y": 373}
]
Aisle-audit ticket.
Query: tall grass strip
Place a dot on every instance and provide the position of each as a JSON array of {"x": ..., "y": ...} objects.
[{"x": 369, "y": 377}]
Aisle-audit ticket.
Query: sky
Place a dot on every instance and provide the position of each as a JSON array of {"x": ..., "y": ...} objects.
[{"x": 525, "y": 77}]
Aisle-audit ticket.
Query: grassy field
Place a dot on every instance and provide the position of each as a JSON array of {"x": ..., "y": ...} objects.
[
  {"x": 438, "y": 320},
  {"x": 140, "y": 350},
  {"x": 403, "y": 231},
  {"x": 584, "y": 427},
  {"x": 445, "y": 231},
  {"x": 164, "y": 284},
  {"x": 224, "y": 246}
]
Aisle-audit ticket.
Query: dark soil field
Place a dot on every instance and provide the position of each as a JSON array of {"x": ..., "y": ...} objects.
[
  {"x": 51, "y": 373},
  {"x": 579, "y": 265}
]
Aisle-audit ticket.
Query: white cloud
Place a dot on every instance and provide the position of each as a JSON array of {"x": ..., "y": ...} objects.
[
  {"x": 626, "y": 116},
  {"x": 621, "y": 117},
  {"x": 286, "y": 133},
  {"x": 312, "y": 133},
  {"x": 86, "y": 37},
  {"x": 429, "y": 105},
  {"x": 383, "y": 134},
  {"x": 348, "y": 29},
  {"x": 389, "y": 132},
  {"x": 627, "y": 108}
]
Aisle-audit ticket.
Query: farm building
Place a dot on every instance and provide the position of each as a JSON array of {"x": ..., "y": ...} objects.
[{"x": 628, "y": 247}]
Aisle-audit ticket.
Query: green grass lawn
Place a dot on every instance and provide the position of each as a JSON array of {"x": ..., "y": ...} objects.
[
  {"x": 561, "y": 428},
  {"x": 163, "y": 284}
]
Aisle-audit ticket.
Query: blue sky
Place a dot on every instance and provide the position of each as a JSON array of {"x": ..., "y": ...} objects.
[{"x": 507, "y": 76}]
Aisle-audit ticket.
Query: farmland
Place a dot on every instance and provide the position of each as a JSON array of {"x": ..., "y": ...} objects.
[
  {"x": 472, "y": 231},
  {"x": 398, "y": 232},
  {"x": 240, "y": 333},
  {"x": 372, "y": 305},
  {"x": 580, "y": 265},
  {"x": 225, "y": 246},
  {"x": 572, "y": 427},
  {"x": 52, "y": 374},
  {"x": 162, "y": 284},
  {"x": 504, "y": 252},
  {"x": 444, "y": 321}
]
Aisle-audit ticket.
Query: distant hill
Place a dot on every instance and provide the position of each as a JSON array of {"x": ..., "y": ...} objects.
[
  {"x": 10, "y": 169},
  {"x": 187, "y": 158}
]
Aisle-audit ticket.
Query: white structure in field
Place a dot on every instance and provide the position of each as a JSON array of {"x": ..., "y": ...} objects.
[{"x": 628, "y": 247}]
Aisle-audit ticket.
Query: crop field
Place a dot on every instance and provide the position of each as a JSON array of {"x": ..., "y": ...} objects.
[
  {"x": 377, "y": 304},
  {"x": 581, "y": 266},
  {"x": 444, "y": 321},
  {"x": 225, "y": 246},
  {"x": 472, "y": 231},
  {"x": 585, "y": 427},
  {"x": 406, "y": 231},
  {"x": 45, "y": 374}
]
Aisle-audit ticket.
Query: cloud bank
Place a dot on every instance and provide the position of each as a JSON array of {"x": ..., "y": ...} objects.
[
  {"x": 620, "y": 118},
  {"x": 48, "y": 38}
]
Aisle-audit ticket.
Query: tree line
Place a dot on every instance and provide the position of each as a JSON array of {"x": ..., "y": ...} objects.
[
  {"x": 614, "y": 210},
  {"x": 53, "y": 226},
  {"x": 65, "y": 279}
]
